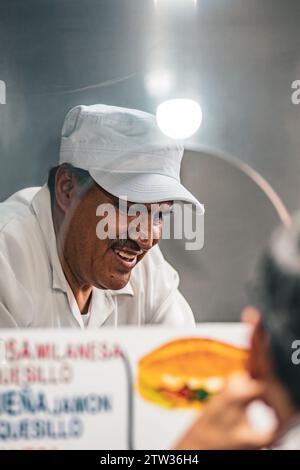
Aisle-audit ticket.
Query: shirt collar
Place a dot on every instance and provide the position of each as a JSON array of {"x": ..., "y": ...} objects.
[{"x": 125, "y": 290}]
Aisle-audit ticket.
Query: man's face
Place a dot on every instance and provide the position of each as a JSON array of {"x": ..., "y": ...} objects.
[{"x": 106, "y": 263}]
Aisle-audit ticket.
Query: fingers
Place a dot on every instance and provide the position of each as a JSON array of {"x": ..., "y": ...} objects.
[
  {"x": 242, "y": 389},
  {"x": 251, "y": 316},
  {"x": 256, "y": 440},
  {"x": 224, "y": 423}
]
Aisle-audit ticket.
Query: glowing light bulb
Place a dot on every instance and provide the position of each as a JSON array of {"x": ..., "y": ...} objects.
[{"x": 179, "y": 118}]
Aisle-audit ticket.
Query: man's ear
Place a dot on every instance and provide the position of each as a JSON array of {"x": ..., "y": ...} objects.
[
  {"x": 258, "y": 364},
  {"x": 66, "y": 188}
]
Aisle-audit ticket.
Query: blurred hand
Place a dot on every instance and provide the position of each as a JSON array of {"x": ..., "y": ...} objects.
[{"x": 224, "y": 422}]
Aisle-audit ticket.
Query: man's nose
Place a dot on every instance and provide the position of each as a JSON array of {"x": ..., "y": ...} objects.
[
  {"x": 146, "y": 234},
  {"x": 145, "y": 243}
]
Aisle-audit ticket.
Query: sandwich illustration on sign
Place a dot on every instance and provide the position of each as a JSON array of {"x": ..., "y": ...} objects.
[{"x": 186, "y": 372}]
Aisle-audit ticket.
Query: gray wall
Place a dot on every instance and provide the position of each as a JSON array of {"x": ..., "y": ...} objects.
[{"x": 240, "y": 215}]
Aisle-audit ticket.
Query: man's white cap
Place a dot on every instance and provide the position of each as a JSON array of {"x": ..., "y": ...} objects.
[{"x": 125, "y": 153}]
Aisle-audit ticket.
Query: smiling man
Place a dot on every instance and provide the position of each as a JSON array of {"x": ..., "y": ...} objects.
[{"x": 58, "y": 268}]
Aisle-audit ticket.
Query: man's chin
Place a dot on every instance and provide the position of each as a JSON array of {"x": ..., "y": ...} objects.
[
  {"x": 119, "y": 285},
  {"x": 115, "y": 284}
]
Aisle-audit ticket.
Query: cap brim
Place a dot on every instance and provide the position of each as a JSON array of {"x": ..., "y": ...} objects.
[{"x": 144, "y": 187}]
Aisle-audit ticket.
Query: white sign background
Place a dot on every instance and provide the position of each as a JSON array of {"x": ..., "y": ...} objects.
[{"x": 153, "y": 426}]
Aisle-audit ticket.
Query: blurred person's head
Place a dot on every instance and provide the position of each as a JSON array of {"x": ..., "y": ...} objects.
[{"x": 276, "y": 320}]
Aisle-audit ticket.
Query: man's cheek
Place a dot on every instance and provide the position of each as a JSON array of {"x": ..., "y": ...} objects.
[
  {"x": 107, "y": 228},
  {"x": 121, "y": 229}
]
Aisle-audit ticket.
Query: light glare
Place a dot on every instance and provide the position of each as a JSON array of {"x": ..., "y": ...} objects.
[
  {"x": 181, "y": 2},
  {"x": 159, "y": 82},
  {"x": 179, "y": 118}
]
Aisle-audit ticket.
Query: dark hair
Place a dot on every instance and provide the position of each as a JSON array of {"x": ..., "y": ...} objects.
[
  {"x": 82, "y": 176},
  {"x": 278, "y": 299}
]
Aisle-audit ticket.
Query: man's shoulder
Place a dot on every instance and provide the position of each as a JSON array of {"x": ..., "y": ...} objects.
[
  {"x": 23, "y": 257},
  {"x": 18, "y": 224},
  {"x": 17, "y": 207}
]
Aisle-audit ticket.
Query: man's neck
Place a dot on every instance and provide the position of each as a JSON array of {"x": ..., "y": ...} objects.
[{"x": 81, "y": 292}]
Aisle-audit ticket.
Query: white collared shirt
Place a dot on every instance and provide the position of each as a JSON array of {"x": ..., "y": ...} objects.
[{"x": 34, "y": 291}]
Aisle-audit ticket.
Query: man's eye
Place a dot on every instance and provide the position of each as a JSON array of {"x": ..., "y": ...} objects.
[
  {"x": 166, "y": 213},
  {"x": 157, "y": 218}
]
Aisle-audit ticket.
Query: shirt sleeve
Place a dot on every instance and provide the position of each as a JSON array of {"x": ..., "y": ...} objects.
[
  {"x": 167, "y": 305},
  {"x": 15, "y": 303},
  {"x": 175, "y": 311},
  {"x": 6, "y": 319}
]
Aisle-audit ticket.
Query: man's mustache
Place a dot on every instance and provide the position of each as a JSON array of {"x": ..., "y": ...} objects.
[{"x": 126, "y": 243}]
